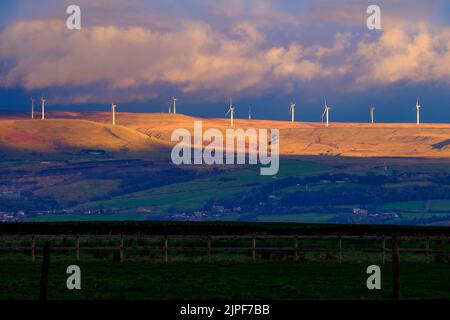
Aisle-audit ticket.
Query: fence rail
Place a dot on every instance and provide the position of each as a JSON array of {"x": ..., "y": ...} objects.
[{"x": 167, "y": 245}]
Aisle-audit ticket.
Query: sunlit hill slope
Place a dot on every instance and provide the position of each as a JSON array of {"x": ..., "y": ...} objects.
[{"x": 148, "y": 132}]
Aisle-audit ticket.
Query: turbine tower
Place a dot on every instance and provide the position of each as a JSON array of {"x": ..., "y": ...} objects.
[
  {"x": 292, "y": 111},
  {"x": 174, "y": 109},
  {"x": 231, "y": 112},
  {"x": 372, "y": 115},
  {"x": 43, "y": 108},
  {"x": 418, "y": 106},
  {"x": 113, "y": 109},
  {"x": 32, "y": 108},
  {"x": 326, "y": 111},
  {"x": 249, "y": 113}
]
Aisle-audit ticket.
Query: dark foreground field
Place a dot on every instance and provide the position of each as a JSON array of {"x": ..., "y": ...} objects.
[
  {"x": 173, "y": 261},
  {"x": 237, "y": 280}
]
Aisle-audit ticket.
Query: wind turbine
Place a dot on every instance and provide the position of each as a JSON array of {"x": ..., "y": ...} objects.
[
  {"x": 113, "y": 109},
  {"x": 292, "y": 111},
  {"x": 326, "y": 111},
  {"x": 231, "y": 112},
  {"x": 32, "y": 108},
  {"x": 249, "y": 113},
  {"x": 418, "y": 106},
  {"x": 372, "y": 115},
  {"x": 174, "y": 109},
  {"x": 43, "y": 108}
]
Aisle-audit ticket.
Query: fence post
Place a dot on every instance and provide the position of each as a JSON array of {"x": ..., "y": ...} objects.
[
  {"x": 77, "y": 248},
  {"x": 254, "y": 249},
  {"x": 166, "y": 249},
  {"x": 33, "y": 250},
  {"x": 340, "y": 248},
  {"x": 209, "y": 249},
  {"x": 396, "y": 266},
  {"x": 44, "y": 272},
  {"x": 121, "y": 248},
  {"x": 383, "y": 250},
  {"x": 296, "y": 248}
]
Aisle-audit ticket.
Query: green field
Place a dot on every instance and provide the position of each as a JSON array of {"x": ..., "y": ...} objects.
[
  {"x": 192, "y": 195},
  {"x": 79, "y": 191},
  {"x": 440, "y": 205},
  {"x": 86, "y": 217},
  {"x": 410, "y": 216},
  {"x": 417, "y": 206},
  {"x": 276, "y": 280},
  {"x": 314, "y": 272},
  {"x": 307, "y": 217},
  {"x": 116, "y": 189},
  {"x": 411, "y": 206}
]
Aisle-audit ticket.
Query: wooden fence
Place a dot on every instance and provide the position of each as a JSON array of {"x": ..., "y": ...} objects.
[{"x": 252, "y": 245}]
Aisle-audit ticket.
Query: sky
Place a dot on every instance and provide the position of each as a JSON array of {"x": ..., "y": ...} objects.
[{"x": 263, "y": 53}]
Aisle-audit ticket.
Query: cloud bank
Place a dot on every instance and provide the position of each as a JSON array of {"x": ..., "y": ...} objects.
[{"x": 194, "y": 56}]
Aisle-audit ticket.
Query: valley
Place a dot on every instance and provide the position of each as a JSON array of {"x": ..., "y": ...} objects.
[{"x": 64, "y": 169}]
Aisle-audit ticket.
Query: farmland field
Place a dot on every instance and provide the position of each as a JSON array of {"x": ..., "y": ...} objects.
[
  {"x": 192, "y": 195},
  {"x": 142, "y": 270},
  {"x": 314, "y": 218},
  {"x": 415, "y": 206},
  {"x": 86, "y": 217},
  {"x": 440, "y": 205},
  {"x": 305, "y": 190},
  {"x": 283, "y": 280},
  {"x": 81, "y": 190}
]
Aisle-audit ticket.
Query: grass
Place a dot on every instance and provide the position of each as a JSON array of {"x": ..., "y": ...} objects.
[
  {"x": 411, "y": 206},
  {"x": 14, "y": 164},
  {"x": 296, "y": 168},
  {"x": 417, "y": 206},
  {"x": 85, "y": 217},
  {"x": 307, "y": 217},
  {"x": 229, "y": 217},
  {"x": 192, "y": 195},
  {"x": 288, "y": 168},
  {"x": 231, "y": 275},
  {"x": 226, "y": 280},
  {"x": 440, "y": 205},
  {"x": 409, "y": 184},
  {"x": 162, "y": 200},
  {"x": 80, "y": 191},
  {"x": 411, "y": 216}
]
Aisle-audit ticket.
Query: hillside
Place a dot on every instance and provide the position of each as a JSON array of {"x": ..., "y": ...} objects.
[
  {"x": 93, "y": 130},
  {"x": 55, "y": 135}
]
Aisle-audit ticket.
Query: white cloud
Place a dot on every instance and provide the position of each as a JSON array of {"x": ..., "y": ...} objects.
[
  {"x": 415, "y": 55},
  {"x": 192, "y": 58},
  {"x": 193, "y": 55}
]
